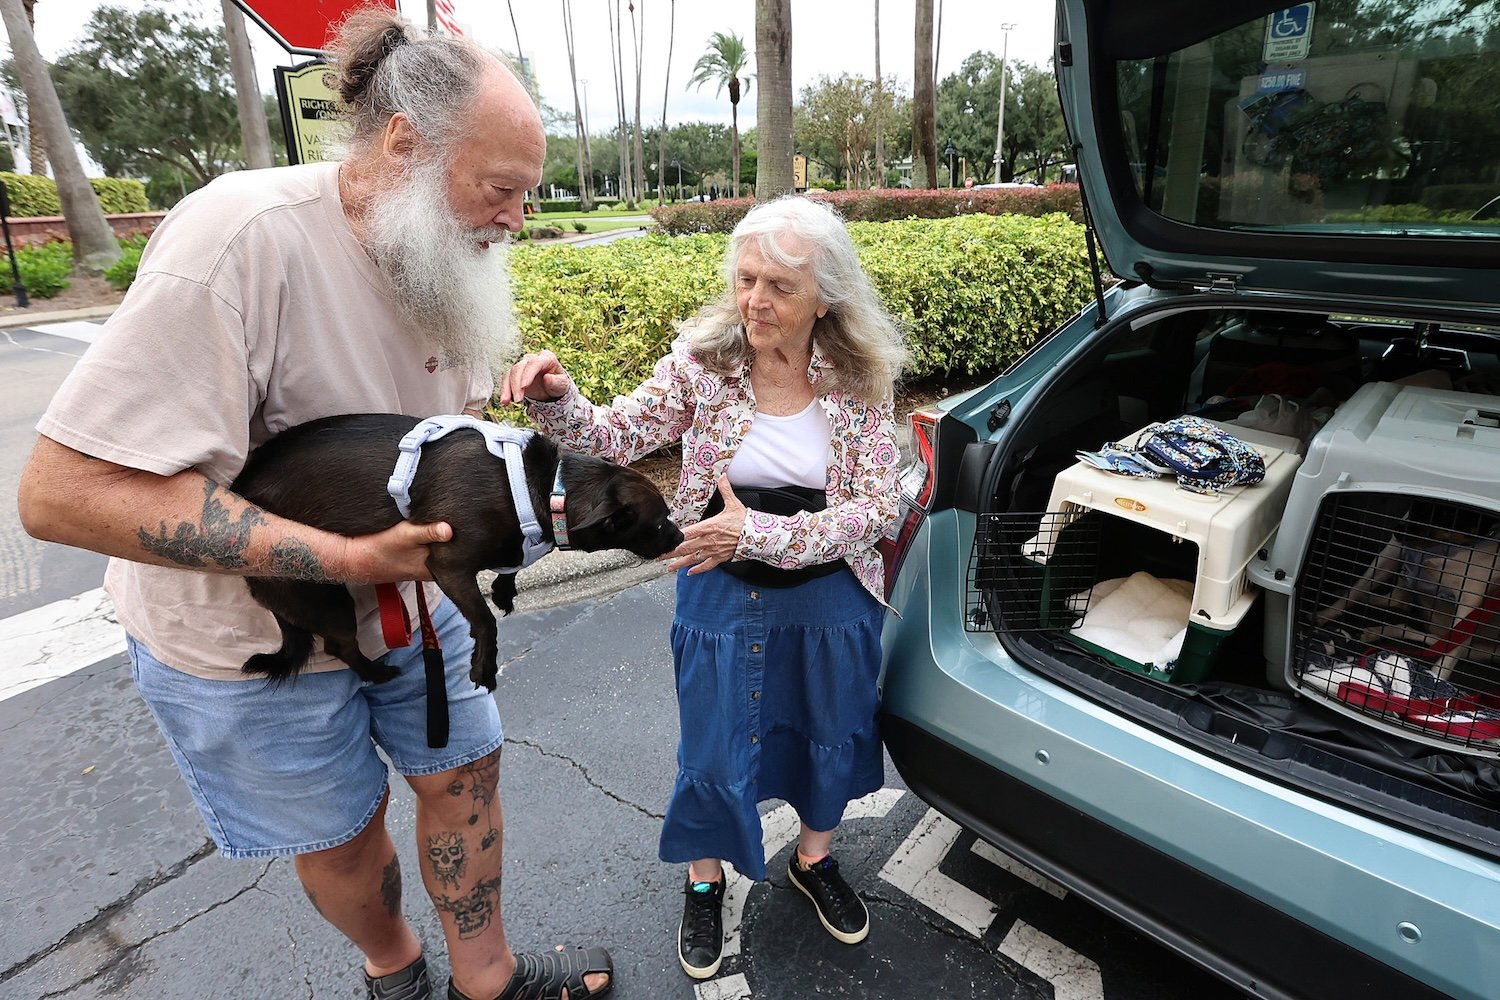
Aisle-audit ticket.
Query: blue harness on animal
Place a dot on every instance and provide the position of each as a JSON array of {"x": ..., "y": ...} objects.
[{"x": 504, "y": 442}]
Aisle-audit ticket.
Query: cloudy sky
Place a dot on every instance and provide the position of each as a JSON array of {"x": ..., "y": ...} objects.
[{"x": 828, "y": 38}]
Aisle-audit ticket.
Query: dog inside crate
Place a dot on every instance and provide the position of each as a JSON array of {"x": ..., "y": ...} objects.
[{"x": 1396, "y": 613}]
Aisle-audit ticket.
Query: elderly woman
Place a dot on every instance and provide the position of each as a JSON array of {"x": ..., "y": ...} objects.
[{"x": 782, "y": 396}]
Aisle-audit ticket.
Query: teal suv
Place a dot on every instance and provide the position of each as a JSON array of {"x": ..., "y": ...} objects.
[{"x": 1197, "y": 606}]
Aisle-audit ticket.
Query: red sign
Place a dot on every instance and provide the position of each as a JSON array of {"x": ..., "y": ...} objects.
[{"x": 302, "y": 26}]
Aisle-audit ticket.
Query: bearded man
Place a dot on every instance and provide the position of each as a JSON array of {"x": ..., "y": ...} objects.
[{"x": 267, "y": 299}]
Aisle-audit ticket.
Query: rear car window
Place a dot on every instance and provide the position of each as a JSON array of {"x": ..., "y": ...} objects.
[{"x": 1377, "y": 117}]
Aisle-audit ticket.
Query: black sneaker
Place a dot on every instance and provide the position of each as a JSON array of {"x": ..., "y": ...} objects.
[
  {"x": 700, "y": 936},
  {"x": 842, "y": 912},
  {"x": 408, "y": 984}
]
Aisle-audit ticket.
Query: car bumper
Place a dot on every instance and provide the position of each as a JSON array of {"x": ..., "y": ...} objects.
[{"x": 1280, "y": 892}]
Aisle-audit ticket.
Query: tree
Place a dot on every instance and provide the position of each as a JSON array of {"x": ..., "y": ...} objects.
[
  {"x": 94, "y": 243},
  {"x": 617, "y": 77},
  {"x": 879, "y": 114},
  {"x": 835, "y": 125},
  {"x": 773, "y": 119},
  {"x": 640, "y": 41},
  {"x": 924, "y": 104},
  {"x": 152, "y": 88},
  {"x": 36, "y": 150},
  {"x": 255, "y": 138},
  {"x": 585, "y": 162},
  {"x": 661, "y": 141},
  {"x": 724, "y": 64},
  {"x": 968, "y": 103}
]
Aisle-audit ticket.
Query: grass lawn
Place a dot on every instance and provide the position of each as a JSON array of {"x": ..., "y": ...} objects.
[
  {"x": 598, "y": 213},
  {"x": 593, "y": 225}
]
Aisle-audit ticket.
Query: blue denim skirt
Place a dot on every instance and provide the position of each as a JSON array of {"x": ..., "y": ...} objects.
[{"x": 776, "y": 697}]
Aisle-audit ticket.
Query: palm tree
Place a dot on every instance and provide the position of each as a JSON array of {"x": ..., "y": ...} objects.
[
  {"x": 879, "y": 133},
  {"x": 585, "y": 161},
  {"x": 724, "y": 63},
  {"x": 617, "y": 77},
  {"x": 252, "y": 110},
  {"x": 661, "y": 137},
  {"x": 924, "y": 104},
  {"x": 94, "y": 243},
  {"x": 773, "y": 117},
  {"x": 640, "y": 40},
  {"x": 36, "y": 148}
]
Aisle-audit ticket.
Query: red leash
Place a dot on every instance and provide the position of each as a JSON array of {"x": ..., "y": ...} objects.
[{"x": 395, "y": 627}]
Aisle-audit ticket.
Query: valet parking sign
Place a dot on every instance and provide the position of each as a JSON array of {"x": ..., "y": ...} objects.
[{"x": 308, "y": 113}]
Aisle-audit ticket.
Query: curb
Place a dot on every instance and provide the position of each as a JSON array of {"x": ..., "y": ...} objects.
[{"x": 23, "y": 319}]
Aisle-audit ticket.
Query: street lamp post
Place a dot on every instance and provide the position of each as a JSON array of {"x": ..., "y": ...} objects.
[
  {"x": 1000, "y": 130},
  {"x": 951, "y": 151}
]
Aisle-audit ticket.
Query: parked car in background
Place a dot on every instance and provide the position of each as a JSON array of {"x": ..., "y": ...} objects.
[{"x": 1198, "y": 600}]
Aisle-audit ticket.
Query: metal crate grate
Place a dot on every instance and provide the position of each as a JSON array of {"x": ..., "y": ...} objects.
[
  {"x": 1397, "y": 617},
  {"x": 1032, "y": 572}
]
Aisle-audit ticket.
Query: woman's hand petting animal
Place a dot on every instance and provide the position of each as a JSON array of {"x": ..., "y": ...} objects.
[
  {"x": 539, "y": 377},
  {"x": 395, "y": 555},
  {"x": 713, "y": 541}
]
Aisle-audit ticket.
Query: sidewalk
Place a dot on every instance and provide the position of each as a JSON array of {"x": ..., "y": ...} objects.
[{"x": 37, "y": 315}]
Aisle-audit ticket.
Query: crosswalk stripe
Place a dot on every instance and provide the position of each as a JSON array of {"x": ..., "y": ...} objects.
[
  {"x": 56, "y": 639},
  {"x": 78, "y": 329}
]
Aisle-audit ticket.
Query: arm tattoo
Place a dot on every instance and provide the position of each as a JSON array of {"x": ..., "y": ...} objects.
[
  {"x": 218, "y": 539},
  {"x": 294, "y": 558}
]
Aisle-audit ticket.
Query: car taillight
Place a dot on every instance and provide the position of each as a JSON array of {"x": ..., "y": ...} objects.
[{"x": 918, "y": 480}]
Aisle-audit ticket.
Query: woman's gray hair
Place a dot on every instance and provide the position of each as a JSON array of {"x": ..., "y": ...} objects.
[
  {"x": 383, "y": 65},
  {"x": 863, "y": 343}
]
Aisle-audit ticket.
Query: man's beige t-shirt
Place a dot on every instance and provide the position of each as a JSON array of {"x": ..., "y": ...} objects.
[{"x": 254, "y": 309}]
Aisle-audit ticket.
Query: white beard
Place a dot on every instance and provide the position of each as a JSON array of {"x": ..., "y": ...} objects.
[{"x": 448, "y": 288}]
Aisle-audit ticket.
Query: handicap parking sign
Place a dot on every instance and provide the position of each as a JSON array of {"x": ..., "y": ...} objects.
[{"x": 1289, "y": 33}]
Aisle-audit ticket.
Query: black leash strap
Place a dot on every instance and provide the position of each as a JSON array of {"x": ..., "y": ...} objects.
[{"x": 437, "y": 680}]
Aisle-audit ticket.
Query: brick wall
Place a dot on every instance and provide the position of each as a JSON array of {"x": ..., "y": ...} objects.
[{"x": 49, "y": 228}]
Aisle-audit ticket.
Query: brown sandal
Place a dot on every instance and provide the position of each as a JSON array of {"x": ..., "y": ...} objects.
[{"x": 544, "y": 976}]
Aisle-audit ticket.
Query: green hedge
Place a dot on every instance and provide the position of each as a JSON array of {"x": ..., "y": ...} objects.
[
  {"x": 32, "y": 196},
  {"x": 885, "y": 205},
  {"x": 45, "y": 269},
  {"x": 559, "y": 205},
  {"x": 974, "y": 292}
]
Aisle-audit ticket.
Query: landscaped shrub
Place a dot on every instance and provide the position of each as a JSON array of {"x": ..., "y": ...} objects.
[
  {"x": 32, "y": 196},
  {"x": 122, "y": 272},
  {"x": 974, "y": 292},
  {"x": 558, "y": 205},
  {"x": 45, "y": 268},
  {"x": 885, "y": 205},
  {"x": 608, "y": 311},
  {"x": 120, "y": 195}
]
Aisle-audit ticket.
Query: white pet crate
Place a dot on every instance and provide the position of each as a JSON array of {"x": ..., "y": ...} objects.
[
  {"x": 1228, "y": 530},
  {"x": 1407, "y": 479}
]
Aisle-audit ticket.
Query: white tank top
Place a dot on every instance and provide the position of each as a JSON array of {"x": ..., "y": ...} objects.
[{"x": 784, "y": 451}]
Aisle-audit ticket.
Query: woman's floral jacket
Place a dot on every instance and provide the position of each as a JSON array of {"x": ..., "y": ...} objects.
[{"x": 711, "y": 413}]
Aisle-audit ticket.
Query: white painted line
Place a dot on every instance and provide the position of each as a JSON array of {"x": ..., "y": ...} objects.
[
  {"x": 1030, "y": 876},
  {"x": 779, "y": 828},
  {"x": 914, "y": 870},
  {"x": 1073, "y": 977},
  {"x": 56, "y": 639},
  {"x": 75, "y": 329},
  {"x": 733, "y": 987}
]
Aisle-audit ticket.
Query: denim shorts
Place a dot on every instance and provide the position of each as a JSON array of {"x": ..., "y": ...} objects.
[{"x": 289, "y": 769}]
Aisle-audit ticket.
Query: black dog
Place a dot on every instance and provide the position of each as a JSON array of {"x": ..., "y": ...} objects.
[{"x": 331, "y": 473}]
